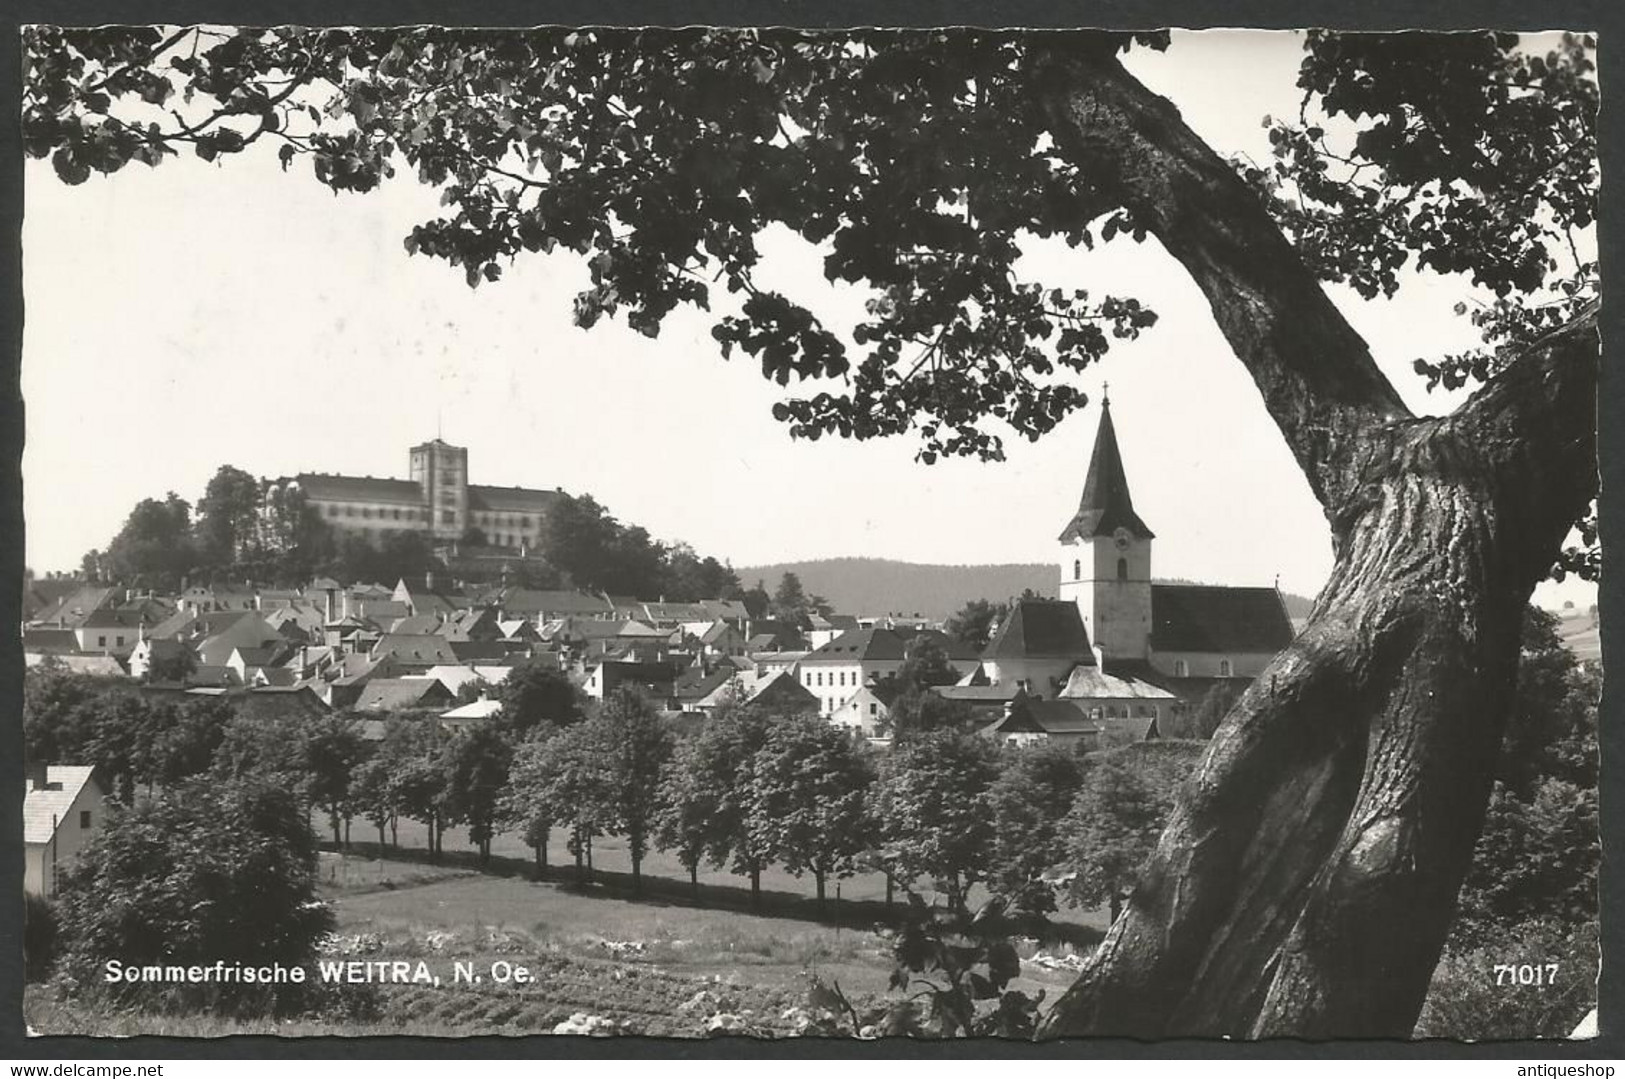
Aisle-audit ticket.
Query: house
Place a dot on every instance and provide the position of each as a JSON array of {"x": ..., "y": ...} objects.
[
  {"x": 1037, "y": 646},
  {"x": 783, "y": 693},
  {"x": 475, "y": 625},
  {"x": 859, "y": 657},
  {"x": 1031, "y": 719},
  {"x": 698, "y": 690},
  {"x": 866, "y": 712},
  {"x": 823, "y": 629},
  {"x": 1109, "y": 699},
  {"x": 62, "y": 812},
  {"x": 470, "y": 714},
  {"x": 109, "y": 630},
  {"x": 245, "y": 660},
  {"x": 656, "y": 678},
  {"x": 246, "y": 629}
]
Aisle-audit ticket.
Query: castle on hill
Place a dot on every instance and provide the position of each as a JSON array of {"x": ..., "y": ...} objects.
[{"x": 436, "y": 500}]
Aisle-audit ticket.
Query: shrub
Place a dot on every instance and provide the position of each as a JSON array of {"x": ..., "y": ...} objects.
[
  {"x": 39, "y": 937},
  {"x": 207, "y": 871},
  {"x": 1464, "y": 1000}
]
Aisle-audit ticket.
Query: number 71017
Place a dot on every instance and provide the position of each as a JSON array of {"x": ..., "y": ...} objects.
[{"x": 1525, "y": 973}]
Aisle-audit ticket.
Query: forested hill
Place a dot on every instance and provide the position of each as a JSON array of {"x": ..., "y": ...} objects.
[{"x": 882, "y": 586}]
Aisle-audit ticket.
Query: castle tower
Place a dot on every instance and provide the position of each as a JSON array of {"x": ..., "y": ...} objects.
[
  {"x": 1106, "y": 555},
  {"x": 441, "y": 471}
]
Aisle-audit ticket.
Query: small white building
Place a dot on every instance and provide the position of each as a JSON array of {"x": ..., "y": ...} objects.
[
  {"x": 863, "y": 712},
  {"x": 62, "y": 812}
]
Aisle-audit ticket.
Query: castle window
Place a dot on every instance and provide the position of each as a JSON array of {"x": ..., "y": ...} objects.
[
  {"x": 1122, "y": 569},
  {"x": 332, "y": 511},
  {"x": 1181, "y": 669},
  {"x": 84, "y": 820},
  {"x": 1077, "y": 569},
  {"x": 1224, "y": 668},
  {"x": 448, "y": 517}
]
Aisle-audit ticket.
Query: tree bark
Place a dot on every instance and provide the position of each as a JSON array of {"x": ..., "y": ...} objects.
[
  {"x": 755, "y": 886},
  {"x": 1307, "y": 877},
  {"x": 818, "y": 877}
]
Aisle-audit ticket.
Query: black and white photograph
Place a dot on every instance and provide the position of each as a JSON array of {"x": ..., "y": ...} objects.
[{"x": 770, "y": 533}]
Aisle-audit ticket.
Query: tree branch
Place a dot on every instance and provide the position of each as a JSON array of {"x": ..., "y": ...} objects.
[{"x": 1316, "y": 375}]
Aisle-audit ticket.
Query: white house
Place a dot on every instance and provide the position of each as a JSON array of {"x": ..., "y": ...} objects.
[{"x": 62, "y": 812}]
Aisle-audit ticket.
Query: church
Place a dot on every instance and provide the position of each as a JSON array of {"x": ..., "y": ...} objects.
[
  {"x": 1118, "y": 653},
  {"x": 1183, "y": 636}
]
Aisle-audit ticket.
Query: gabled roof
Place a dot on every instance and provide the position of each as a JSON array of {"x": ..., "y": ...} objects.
[
  {"x": 1105, "y": 506},
  {"x": 382, "y": 694},
  {"x": 784, "y": 689},
  {"x": 862, "y": 645},
  {"x": 693, "y": 685},
  {"x": 1054, "y": 717},
  {"x": 72, "y": 609},
  {"x": 719, "y": 630},
  {"x": 481, "y": 709},
  {"x": 1041, "y": 629},
  {"x": 1092, "y": 683},
  {"x": 474, "y": 651},
  {"x": 44, "y": 809},
  {"x": 49, "y": 639},
  {"x": 318, "y": 485},
  {"x": 417, "y": 624},
  {"x": 415, "y": 648},
  {"x": 1213, "y": 618},
  {"x": 511, "y": 499}
]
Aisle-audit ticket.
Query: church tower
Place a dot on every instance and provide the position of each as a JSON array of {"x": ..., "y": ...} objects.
[{"x": 1106, "y": 554}]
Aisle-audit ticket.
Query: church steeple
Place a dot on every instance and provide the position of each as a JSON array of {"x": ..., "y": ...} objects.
[{"x": 1106, "y": 505}]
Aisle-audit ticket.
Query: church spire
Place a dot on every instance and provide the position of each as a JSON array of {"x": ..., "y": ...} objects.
[{"x": 1106, "y": 505}]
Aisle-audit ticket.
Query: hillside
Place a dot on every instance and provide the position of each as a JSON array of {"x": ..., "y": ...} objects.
[{"x": 882, "y": 586}]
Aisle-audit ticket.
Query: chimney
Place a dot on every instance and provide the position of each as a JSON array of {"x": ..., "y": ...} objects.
[
  {"x": 36, "y": 773},
  {"x": 1100, "y": 657},
  {"x": 428, "y": 581}
]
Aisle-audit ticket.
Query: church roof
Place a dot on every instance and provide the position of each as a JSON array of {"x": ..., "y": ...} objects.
[
  {"x": 1105, "y": 506},
  {"x": 1041, "y": 629},
  {"x": 1211, "y": 618}
]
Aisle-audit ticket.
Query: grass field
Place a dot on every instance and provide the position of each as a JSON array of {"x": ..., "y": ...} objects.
[{"x": 658, "y": 964}]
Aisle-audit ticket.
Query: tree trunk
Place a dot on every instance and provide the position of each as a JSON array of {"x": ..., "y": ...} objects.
[
  {"x": 1116, "y": 905},
  {"x": 541, "y": 859},
  {"x": 755, "y": 886},
  {"x": 333, "y": 819},
  {"x": 1307, "y": 877},
  {"x": 394, "y": 831},
  {"x": 694, "y": 881},
  {"x": 380, "y": 837},
  {"x": 890, "y": 888},
  {"x": 347, "y": 833},
  {"x": 818, "y": 878}
]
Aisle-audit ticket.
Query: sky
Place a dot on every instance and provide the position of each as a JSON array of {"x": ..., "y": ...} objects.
[{"x": 197, "y": 314}]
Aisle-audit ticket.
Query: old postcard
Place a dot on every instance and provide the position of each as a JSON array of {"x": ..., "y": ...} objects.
[{"x": 772, "y": 532}]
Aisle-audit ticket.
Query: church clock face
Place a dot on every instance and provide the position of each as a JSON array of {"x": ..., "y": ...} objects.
[{"x": 1121, "y": 538}]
